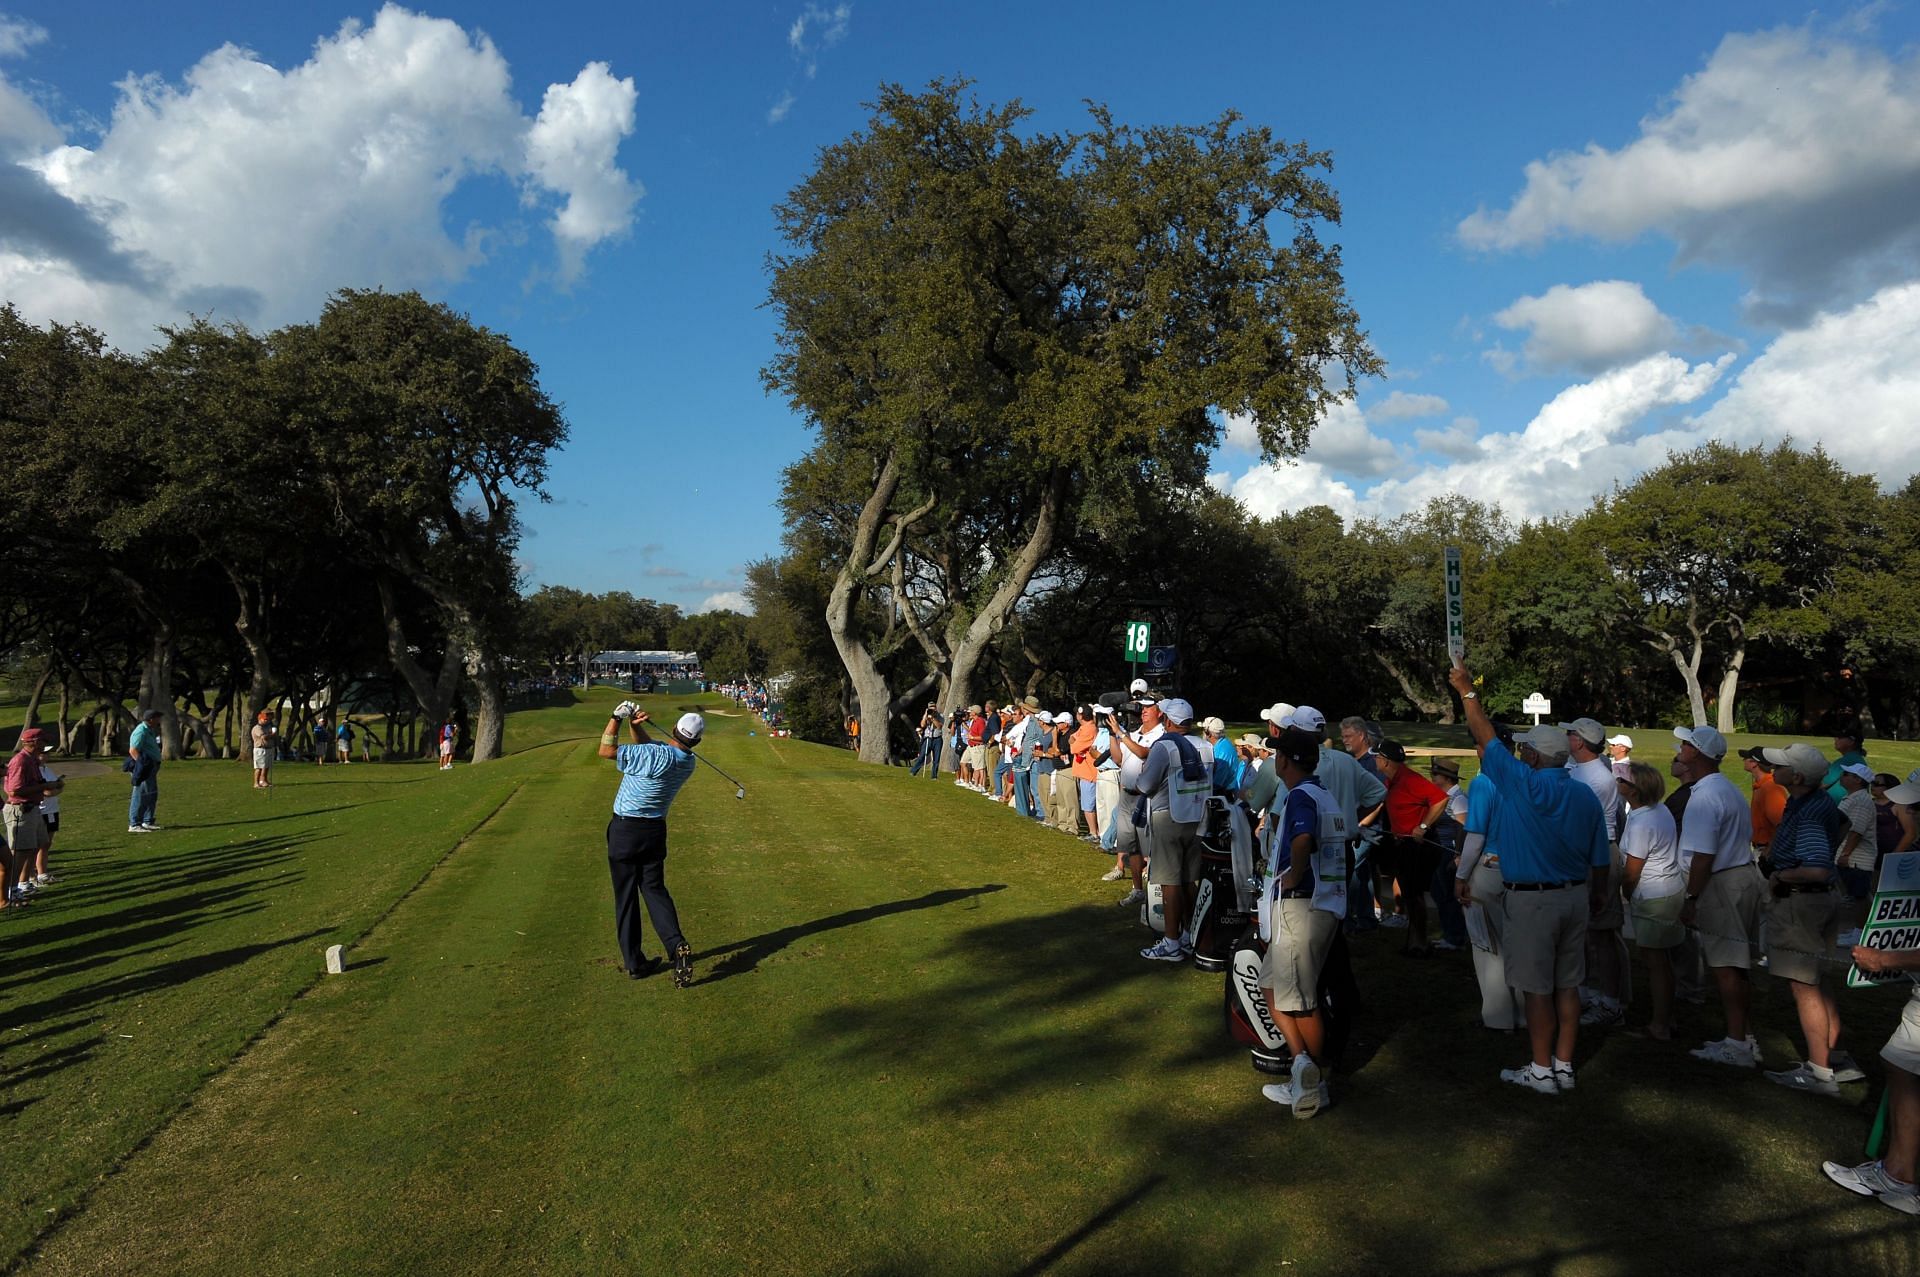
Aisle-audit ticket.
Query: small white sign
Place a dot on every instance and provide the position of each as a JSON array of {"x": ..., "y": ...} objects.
[
  {"x": 1536, "y": 705},
  {"x": 336, "y": 960}
]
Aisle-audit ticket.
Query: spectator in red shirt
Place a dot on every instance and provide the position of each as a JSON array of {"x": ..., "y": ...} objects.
[{"x": 1414, "y": 803}]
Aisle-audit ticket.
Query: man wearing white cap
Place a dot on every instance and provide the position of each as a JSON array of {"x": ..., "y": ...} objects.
[
  {"x": 1620, "y": 756},
  {"x": 1724, "y": 890},
  {"x": 651, "y": 773},
  {"x": 1176, "y": 780},
  {"x": 1131, "y": 749},
  {"x": 1106, "y": 788}
]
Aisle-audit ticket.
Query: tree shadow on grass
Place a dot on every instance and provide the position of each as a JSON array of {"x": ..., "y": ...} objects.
[
  {"x": 744, "y": 955},
  {"x": 286, "y": 815},
  {"x": 1426, "y": 1162}
]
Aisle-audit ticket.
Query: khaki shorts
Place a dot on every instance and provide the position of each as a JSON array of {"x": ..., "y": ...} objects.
[
  {"x": 1173, "y": 850},
  {"x": 1728, "y": 917},
  {"x": 1128, "y": 838},
  {"x": 26, "y": 830},
  {"x": 975, "y": 757},
  {"x": 1545, "y": 945},
  {"x": 1656, "y": 921},
  {"x": 1800, "y": 934},
  {"x": 1302, "y": 935},
  {"x": 262, "y": 759},
  {"x": 1613, "y": 913},
  {"x": 1903, "y": 1048}
]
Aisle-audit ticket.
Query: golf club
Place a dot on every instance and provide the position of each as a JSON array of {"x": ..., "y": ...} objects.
[{"x": 739, "y": 790}]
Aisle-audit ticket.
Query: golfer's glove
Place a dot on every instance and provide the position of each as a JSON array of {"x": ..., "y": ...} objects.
[{"x": 624, "y": 710}]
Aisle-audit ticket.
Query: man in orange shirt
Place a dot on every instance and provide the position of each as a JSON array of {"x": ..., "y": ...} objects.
[
  {"x": 1768, "y": 804},
  {"x": 1086, "y": 768}
]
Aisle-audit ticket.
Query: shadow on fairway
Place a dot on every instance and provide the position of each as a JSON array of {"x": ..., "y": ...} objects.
[
  {"x": 1100, "y": 1219},
  {"x": 290, "y": 814},
  {"x": 744, "y": 955}
]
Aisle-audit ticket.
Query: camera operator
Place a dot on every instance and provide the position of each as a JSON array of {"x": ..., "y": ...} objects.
[
  {"x": 1176, "y": 781},
  {"x": 1130, "y": 748}
]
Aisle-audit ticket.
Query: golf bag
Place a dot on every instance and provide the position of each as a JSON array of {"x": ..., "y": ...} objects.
[
  {"x": 1222, "y": 904},
  {"x": 1248, "y": 1020}
]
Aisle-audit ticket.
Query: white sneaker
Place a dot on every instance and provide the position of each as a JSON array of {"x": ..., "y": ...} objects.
[
  {"x": 1727, "y": 1051},
  {"x": 1279, "y": 1092},
  {"x": 1801, "y": 1077},
  {"x": 1113, "y": 875},
  {"x": 1753, "y": 1049},
  {"x": 1133, "y": 897},
  {"x": 1308, "y": 1088},
  {"x": 1870, "y": 1179},
  {"x": 1166, "y": 951},
  {"x": 44, "y": 880},
  {"x": 1563, "y": 1075},
  {"x": 138, "y": 829},
  {"x": 151, "y": 828},
  {"x": 1533, "y": 1079},
  {"x": 1845, "y": 1069},
  {"x": 1445, "y": 946}
]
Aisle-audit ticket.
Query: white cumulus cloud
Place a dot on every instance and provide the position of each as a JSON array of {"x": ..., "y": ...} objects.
[
  {"x": 1793, "y": 156},
  {"x": 251, "y": 192},
  {"x": 725, "y": 601},
  {"x": 1588, "y": 328},
  {"x": 1269, "y": 490},
  {"x": 1400, "y": 406}
]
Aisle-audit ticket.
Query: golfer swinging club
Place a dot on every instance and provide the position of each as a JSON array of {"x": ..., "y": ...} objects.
[{"x": 651, "y": 774}]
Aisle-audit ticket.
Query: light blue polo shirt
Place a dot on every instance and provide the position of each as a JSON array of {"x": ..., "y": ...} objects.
[
  {"x": 1554, "y": 828},
  {"x": 1483, "y": 812},
  {"x": 651, "y": 775}
]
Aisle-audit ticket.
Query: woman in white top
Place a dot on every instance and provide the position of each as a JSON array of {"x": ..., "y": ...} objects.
[{"x": 1655, "y": 886}]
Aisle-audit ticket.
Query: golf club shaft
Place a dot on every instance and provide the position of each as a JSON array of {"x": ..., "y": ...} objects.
[{"x": 730, "y": 780}]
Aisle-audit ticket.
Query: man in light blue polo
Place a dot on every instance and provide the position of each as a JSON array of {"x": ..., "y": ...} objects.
[
  {"x": 651, "y": 773},
  {"x": 143, "y": 758},
  {"x": 1558, "y": 845}
]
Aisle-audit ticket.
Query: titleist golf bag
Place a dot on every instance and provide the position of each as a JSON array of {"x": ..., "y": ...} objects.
[
  {"x": 1249, "y": 1021},
  {"x": 1223, "y": 903}
]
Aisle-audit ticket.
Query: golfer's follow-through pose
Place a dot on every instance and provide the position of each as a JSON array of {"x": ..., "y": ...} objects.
[{"x": 651, "y": 774}]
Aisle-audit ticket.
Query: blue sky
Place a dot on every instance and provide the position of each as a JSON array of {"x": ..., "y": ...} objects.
[{"x": 1580, "y": 234}]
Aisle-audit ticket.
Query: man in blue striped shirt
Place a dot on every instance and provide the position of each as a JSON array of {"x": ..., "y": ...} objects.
[
  {"x": 651, "y": 773},
  {"x": 1803, "y": 917}
]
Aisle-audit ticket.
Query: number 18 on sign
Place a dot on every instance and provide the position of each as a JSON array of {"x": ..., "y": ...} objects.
[
  {"x": 1456, "y": 607},
  {"x": 1138, "y": 642}
]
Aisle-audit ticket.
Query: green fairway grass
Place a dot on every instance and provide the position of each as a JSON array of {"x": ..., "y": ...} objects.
[{"x": 920, "y": 1041}]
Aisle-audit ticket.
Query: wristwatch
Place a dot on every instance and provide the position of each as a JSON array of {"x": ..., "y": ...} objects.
[{"x": 1469, "y": 696}]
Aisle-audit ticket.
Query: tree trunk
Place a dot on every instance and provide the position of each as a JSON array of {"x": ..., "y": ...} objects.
[
  {"x": 255, "y": 631},
  {"x": 869, "y": 685},
  {"x": 66, "y": 738},
  {"x": 39, "y": 690},
  {"x": 156, "y": 690},
  {"x": 1730, "y": 680},
  {"x": 1442, "y": 710},
  {"x": 433, "y": 695},
  {"x": 1690, "y": 675},
  {"x": 972, "y": 645},
  {"x": 490, "y": 728}
]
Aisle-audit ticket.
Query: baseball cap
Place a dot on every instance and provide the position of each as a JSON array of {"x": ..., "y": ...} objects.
[
  {"x": 1703, "y": 738},
  {"x": 1800, "y": 758},
  {"x": 1587, "y": 729},
  {"x": 973, "y": 709},
  {"x": 1145, "y": 699},
  {"x": 1137, "y": 686},
  {"x": 1215, "y": 725},
  {"x": 1621, "y": 739},
  {"x": 1545, "y": 740},
  {"x": 1276, "y": 713},
  {"x": 1103, "y": 711},
  {"x": 33, "y": 735},
  {"x": 1177, "y": 710},
  {"x": 1864, "y": 772},
  {"x": 1306, "y": 718},
  {"x": 1302, "y": 749},
  {"x": 690, "y": 729},
  {"x": 1391, "y": 750}
]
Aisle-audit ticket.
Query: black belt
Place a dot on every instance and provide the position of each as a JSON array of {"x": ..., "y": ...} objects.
[
  {"x": 618, "y": 816},
  {"x": 1296, "y": 893},
  {"x": 1803, "y": 888},
  {"x": 1543, "y": 886},
  {"x": 1745, "y": 864}
]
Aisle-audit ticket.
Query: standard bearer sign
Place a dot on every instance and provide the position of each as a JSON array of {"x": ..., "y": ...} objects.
[
  {"x": 1456, "y": 607},
  {"x": 1139, "y": 640},
  {"x": 1536, "y": 705},
  {"x": 1162, "y": 659},
  {"x": 1893, "y": 919}
]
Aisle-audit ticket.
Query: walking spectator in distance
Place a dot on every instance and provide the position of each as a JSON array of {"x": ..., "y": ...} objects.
[
  {"x": 322, "y": 740},
  {"x": 1554, "y": 872},
  {"x": 1620, "y": 756},
  {"x": 266, "y": 745},
  {"x": 1849, "y": 750},
  {"x": 1765, "y": 807},
  {"x": 343, "y": 740},
  {"x": 448, "y": 733},
  {"x": 143, "y": 765},
  {"x": 1656, "y": 885},
  {"x": 1724, "y": 888},
  {"x": 1803, "y": 918}
]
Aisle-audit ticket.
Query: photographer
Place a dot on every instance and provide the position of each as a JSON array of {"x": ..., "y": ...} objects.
[{"x": 932, "y": 733}]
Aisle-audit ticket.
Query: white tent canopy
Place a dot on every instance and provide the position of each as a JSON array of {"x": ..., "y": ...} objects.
[{"x": 606, "y": 660}]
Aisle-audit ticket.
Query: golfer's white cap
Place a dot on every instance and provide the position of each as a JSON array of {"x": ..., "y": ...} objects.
[
  {"x": 1276, "y": 713},
  {"x": 690, "y": 728}
]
